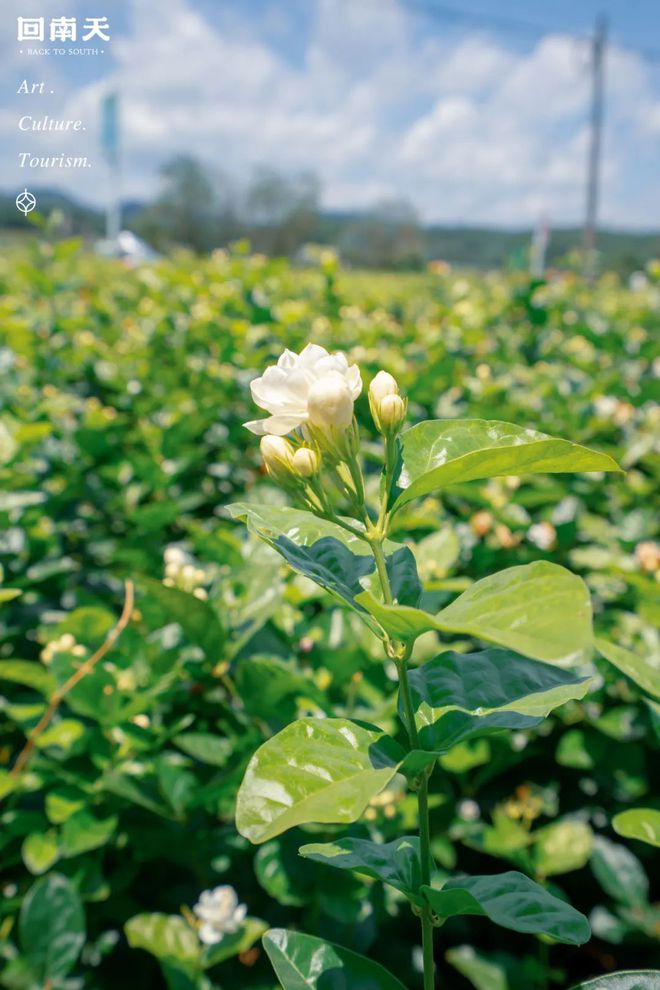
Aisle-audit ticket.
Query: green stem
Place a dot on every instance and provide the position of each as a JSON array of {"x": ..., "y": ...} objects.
[
  {"x": 423, "y": 791},
  {"x": 381, "y": 567},
  {"x": 425, "y": 854}
]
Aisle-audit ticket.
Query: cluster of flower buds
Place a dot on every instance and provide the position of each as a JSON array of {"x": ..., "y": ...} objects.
[
  {"x": 285, "y": 463},
  {"x": 388, "y": 408},
  {"x": 66, "y": 643},
  {"x": 311, "y": 397},
  {"x": 181, "y": 572}
]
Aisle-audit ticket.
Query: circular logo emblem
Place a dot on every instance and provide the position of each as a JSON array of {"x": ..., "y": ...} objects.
[{"x": 25, "y": 202}]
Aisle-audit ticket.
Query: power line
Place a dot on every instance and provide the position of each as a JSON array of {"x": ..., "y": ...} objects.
[{"x": 519, "y": 25}]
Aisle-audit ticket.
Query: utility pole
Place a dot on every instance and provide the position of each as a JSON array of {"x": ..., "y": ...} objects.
[
  {"x": 110, "y": 147},
  {"x": 598, "y": 46}
]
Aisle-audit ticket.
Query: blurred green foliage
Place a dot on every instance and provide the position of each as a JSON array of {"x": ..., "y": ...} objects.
[{"x": 123, "y": 397}]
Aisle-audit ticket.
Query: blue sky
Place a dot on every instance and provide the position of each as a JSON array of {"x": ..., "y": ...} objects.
[{"x": 473, "y": 119}]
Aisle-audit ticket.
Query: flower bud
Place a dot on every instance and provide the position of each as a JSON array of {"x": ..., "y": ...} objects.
[
  {"x": 306, "y": 462},
  {"x": 391, "y": 412},
  {"x": 330, "y": 403},
  {"x": 382, "y": 385},
  {"x": 277, "y": 453}
]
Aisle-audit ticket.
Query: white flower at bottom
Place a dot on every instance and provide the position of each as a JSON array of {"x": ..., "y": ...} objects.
[
  {"x": 284, "y": 389},
  {"x": 220, "y": 914}
]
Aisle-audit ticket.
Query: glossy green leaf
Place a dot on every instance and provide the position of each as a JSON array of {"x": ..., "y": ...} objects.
[
  {"x": 513, "y": 901},
  {"x": 168, "y": 937},
  {"x": 540, "y": 610},
  {"x": 638, "y": 979},
  {"x": 442, "y": 452},
  {"x": 639, "y": 823},
  {"x": 296, "y": 525},
  {"x": 52, "y": 927},
  {"x": 396, "y": 863},
  {"x": 334, "y": 558},
  {"x": 314, "y": 770},
  {"x": 330, "y": 564},
  {"x": 458, "y": 696},
  {"x": 619, "y": 872},
  {"x": 302, "y": 962},
  {"x": 639, "y": 670}
]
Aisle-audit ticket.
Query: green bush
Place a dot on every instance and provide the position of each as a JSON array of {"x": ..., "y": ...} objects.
[{"x": 121, "y": 444}]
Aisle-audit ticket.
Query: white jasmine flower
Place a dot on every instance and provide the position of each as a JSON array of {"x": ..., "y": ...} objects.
[
  {"x": 468, "y": 810},
  {"x": 542, "y": 535},
  {"x": 284, "y": 391},
  {"x": 220, "y": 914},
  {"x": 330, "y": 402}
]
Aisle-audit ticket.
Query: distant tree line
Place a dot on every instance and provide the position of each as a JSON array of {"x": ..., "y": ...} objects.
[
  {"x": 201, "y": 209},
  {"x": 279, "y": 214}
]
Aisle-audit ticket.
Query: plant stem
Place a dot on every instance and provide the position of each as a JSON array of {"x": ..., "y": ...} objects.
[
  {"x": 423, "y": 791},
  {"x": 381, "y": 567},
  {"x": 425, "y": 854}
]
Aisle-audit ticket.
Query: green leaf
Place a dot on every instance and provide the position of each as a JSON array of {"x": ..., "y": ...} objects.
[
  {"x": 458, "y": 696},
  {"x": 62, "y": 803},
  {"x": 619, "y": 872},
  {"x": 232, "y": 945},
  {"x": 168, "y": 937},
  {"x": 296, "y": 525},
  {"x": 638, "y": 979},
  {"x": 513, "y": 901},
  {"x": 540, "y": 610},
  {"x": 302, "y": 962},
  {"x": 639, "y": 670},
  {"x": 40, "y": 851},
  {"x": 52, "y": 927},
  {"x": 196, "y": 617},
  {"x": 315, "y": 770},
  {"x": 334, "y": 558},
  {"x": 205, "y": 747},
  {"x": 272, "y": 689},
  {"x": 442, "y": 452},
  {"x": 639, "y": 823},
  {"x": 481, "y": 972},
  {"x": 29, "y": 673},
  {"x": 82, "y": 831},
  {"x": 330, "y": 564},
  {"x": 562, "y": 847},
  {"x": 396, "y": 863},
  {"x": 63, "y": 735}
]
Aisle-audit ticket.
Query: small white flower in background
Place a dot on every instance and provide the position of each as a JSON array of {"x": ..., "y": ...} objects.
[
  {"x": 220, "y": 914},
  {"x": 181, "y": 572},
  {"x": 542, "y": 535},
  {"x": 311, "y": 386},
  {"x": 468, "y": 810}
]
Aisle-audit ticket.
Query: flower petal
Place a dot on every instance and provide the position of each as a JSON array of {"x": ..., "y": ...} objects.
[
  {"x": 278, "y": 426},
  {"x": 311, "y": 354},
  {"x": 353, "y": 380},
  {"x": 209, "y": 935}
]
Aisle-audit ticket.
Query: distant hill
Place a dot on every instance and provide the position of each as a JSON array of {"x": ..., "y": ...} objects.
[{"x": 462, "y": 246}]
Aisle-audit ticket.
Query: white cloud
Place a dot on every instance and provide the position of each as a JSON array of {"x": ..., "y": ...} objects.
[{"x": 469, "y": 130}]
